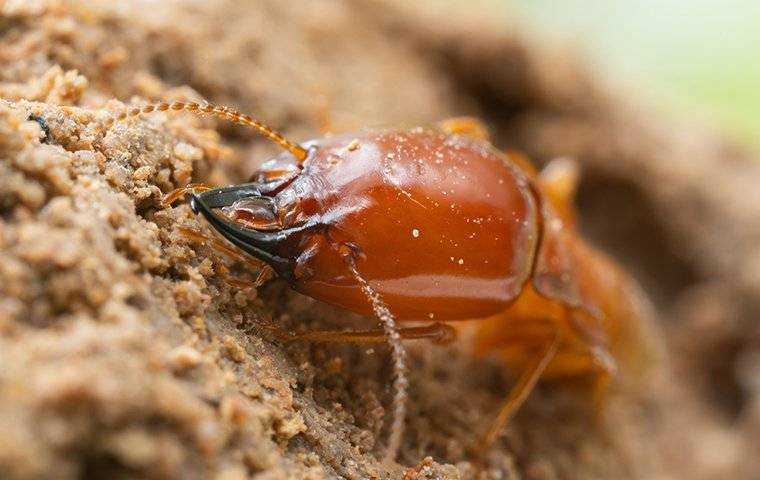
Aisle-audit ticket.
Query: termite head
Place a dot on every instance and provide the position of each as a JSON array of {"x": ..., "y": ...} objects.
[
  {"x": 286, "y": 212},
  {"x": 270, "y": 218}
]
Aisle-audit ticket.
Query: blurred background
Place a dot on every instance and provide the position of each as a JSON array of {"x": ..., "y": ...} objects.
[{"x": 698, "y": 58}]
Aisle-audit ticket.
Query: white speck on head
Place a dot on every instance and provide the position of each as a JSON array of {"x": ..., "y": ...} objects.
[
  {"x": 431, "y": 315},
  {"x": 415, "y": 233},
  {"x": 461, "y": 261}
]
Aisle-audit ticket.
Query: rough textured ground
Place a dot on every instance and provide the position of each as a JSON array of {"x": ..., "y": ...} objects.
[{"x": 124, "y": 354}]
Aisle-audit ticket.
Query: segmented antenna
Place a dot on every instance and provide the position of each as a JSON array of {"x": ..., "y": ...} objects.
[
  {"x": 220, "y": 111},
  {"x": 398, "y": 354}
]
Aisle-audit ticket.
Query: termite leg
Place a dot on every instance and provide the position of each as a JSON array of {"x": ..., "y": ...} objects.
[
  {"x": 219, "y": 246},
  {"x": 439, "y": 333},
  {"x": 469, "y": 126},
  {"x": 559, "y": 181},
  {"x": 560, "y": 177},
  {"x": 261, "y": 278},
  {"x": 523, "y": 162},
  {"x": 239, "y": 283},
  {"x": 178, "y": 193},
  {"x": 264, "y": 275},
  {"x": 606, "y": 367},
  {"x": 265, "y": 271},
  {"x": 520, "y": 391}
]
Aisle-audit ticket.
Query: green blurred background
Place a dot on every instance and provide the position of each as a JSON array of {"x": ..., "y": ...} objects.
[{"x": 698, "y": 58}]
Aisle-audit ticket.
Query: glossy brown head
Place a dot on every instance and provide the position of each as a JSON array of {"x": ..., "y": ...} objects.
[{"x": 443, "y": 226}]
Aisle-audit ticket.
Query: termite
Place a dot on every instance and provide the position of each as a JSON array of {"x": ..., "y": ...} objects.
[{"x": 432, "y": 224}]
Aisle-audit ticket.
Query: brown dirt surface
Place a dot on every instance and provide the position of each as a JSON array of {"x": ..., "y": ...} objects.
[{"x": 125, "y": 354}]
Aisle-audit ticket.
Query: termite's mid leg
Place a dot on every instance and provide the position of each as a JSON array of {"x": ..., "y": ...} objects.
[
  {"x": 438, "y": 333},
  {"x": 519, "y": 392},
  {"x": 469, "y": 126}
]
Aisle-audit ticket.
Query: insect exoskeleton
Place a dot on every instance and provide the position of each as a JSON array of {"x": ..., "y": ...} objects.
[{"x": 432, "y": 224}]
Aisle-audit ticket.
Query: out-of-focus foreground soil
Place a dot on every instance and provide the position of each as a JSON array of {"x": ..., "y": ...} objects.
[{"x": 124, "y": 354}]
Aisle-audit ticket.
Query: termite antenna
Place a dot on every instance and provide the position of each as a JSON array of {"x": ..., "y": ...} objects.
[
  {"x": 398, "y": 354},
  {"x": 220, "y": 111}
]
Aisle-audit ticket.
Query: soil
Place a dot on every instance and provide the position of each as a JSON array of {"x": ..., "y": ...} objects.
[{"x": 125, "y": 354}]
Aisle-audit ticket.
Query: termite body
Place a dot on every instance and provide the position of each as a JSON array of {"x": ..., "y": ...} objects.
[
  {"x": 434, "y": 224},
  {"x": 446, "y": 228}
]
